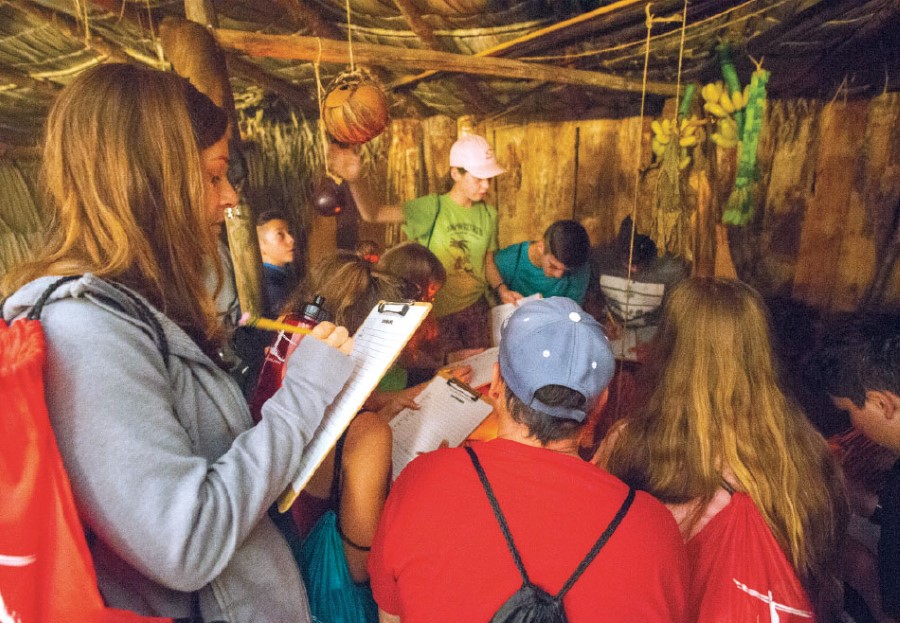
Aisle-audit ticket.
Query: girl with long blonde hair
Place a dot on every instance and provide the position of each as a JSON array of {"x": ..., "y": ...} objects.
[
  {"x": 171, "y": 478},
  {"x": 715, "y": 421}
]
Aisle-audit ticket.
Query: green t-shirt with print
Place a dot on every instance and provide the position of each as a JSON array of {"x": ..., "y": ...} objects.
[{"x": 460, "y": 238}]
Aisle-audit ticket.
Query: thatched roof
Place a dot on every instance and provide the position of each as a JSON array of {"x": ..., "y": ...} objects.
[{"x": 573, "y": 58}]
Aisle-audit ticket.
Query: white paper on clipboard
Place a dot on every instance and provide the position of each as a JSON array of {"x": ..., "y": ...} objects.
[
  {"x": 448, "y": 409},
  {"x": 376, "y": 345},
  {"x": 482, "y": 366},
  {"x": 500, "y": 313}
]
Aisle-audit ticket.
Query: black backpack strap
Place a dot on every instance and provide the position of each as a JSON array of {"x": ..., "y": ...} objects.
[
  {"x": 145, "y": 314},
  {"x": 604, "y": 538},
  {"x": 504, "y": 527},
  {"x": 38, "y": 308}
]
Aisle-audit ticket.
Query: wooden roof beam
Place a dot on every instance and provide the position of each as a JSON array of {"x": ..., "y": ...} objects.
[
  {"x": 538, "y": 37},
  {"x": 469, "y": 91},
  {"x": 296, "y": 47},
  {"x": 302, "y": 13},
  {"x": 247, "y": 71}
]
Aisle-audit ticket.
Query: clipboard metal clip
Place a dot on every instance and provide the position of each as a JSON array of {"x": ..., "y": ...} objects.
[
  {"x": 464, "y": 389},
  {"x": 393, "y": 308}
]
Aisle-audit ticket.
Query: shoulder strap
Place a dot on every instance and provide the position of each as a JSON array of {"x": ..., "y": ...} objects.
[
  {"x": 504, "y": 527},
  {"x": 437, "y": 199},
  {"x": 336, "y": 494},
  {"x": 604, "y": 538},
  {"x": 38, "y": 308},
  {"x": 337, "y": 471},
  {"x": 518, "y": 257},
  {"x": 145, "y": 314}
]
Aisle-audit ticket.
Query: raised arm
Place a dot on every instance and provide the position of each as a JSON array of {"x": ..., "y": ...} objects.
[{"x": 344, "y": 162}]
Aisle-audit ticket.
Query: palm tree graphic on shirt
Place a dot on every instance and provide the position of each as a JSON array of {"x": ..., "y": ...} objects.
[{"x": 459, "y": 251}]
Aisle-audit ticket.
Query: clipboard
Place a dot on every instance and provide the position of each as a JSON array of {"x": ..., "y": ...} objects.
[
  {"x": 448, "y": 409},
  {"x": 376, "y": 345}
]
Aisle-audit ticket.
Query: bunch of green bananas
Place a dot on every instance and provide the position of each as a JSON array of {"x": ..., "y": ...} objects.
[
  {"x": 670, "y": 133},
  {"x": 723, "y": 105}
]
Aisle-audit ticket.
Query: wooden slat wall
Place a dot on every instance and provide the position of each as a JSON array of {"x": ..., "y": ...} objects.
[
  {"x": 828, "y": 193},
  {"x": 540, "y": 184}
]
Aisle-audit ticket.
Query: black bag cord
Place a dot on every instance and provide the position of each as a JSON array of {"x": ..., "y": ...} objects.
[
  {"x": 35, "y": 313},
  {"x": 145, "y": 314},
  {"x": 504, "y": 528}
]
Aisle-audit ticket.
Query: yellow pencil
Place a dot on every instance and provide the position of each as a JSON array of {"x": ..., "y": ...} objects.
[{"x": 270, "y": 325}]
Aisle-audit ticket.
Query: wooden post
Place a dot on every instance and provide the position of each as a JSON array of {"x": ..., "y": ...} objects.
[{"x": 194, "y": 54}]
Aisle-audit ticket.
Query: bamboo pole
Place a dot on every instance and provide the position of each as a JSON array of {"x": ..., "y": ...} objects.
[{"x": 297, "y": 47}]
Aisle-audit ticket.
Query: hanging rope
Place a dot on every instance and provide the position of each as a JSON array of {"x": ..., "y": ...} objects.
[
  {"x": 320, "y": 97},
  {"x": 680, "y": 59},
  {"x": 637, "y": 187},
  {"x": 637, "y": 183},
  {"x": 349, "y": 37}
]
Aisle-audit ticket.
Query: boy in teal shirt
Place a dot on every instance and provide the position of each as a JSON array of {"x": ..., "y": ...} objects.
[{"x": 557, "y": 265}]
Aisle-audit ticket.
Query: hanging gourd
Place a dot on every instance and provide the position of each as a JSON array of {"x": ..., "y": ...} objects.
[
  {"x": 328, "y": 198},
  {"x": 354, "y": 109}
]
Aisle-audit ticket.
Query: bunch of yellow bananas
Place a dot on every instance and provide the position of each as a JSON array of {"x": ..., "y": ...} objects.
[
  {"x": 727, "y": 133},
  {"x": 719, "y": 102},
  {"x": 722, "y": 105},
  {"x": 669, "y": 133}
]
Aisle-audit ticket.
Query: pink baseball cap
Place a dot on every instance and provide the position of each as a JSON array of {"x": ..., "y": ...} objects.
[{"x": 472, "y": 153}]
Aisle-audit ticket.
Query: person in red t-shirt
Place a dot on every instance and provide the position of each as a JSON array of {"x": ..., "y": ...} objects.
[
  {"x": 439, "y": 554},
  {"x": 755, "y": 490}
]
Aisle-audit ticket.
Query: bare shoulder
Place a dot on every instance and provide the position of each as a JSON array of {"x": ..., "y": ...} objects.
[{"x": 368, "y": 434}]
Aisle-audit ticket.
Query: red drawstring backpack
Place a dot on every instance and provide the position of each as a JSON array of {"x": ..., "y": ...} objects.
[
  {"x": 739, "y": 572},
  {"x": 46, "y": 571}
]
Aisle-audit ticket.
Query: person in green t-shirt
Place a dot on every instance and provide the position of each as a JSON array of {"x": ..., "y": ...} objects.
[
  {"x": 458, "y": 227},
  {"x": 556, "y": 265}
]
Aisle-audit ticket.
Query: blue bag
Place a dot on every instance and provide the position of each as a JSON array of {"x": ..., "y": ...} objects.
[{"x": 333, "y": 595}]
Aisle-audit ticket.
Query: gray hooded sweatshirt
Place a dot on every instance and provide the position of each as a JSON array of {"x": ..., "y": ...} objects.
[{"x": 171, "y": 478}]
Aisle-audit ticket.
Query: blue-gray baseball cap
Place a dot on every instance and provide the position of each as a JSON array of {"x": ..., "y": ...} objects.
[{"x": 554, "y": 342}]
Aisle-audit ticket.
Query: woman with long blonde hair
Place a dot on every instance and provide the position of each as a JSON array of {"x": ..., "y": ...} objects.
[
  {"x": 171, "y": 479},
  {"x": 714, "y": 422}
]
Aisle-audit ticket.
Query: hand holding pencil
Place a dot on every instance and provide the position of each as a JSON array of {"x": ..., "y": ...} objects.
[{"x": 328, "y": 332}]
